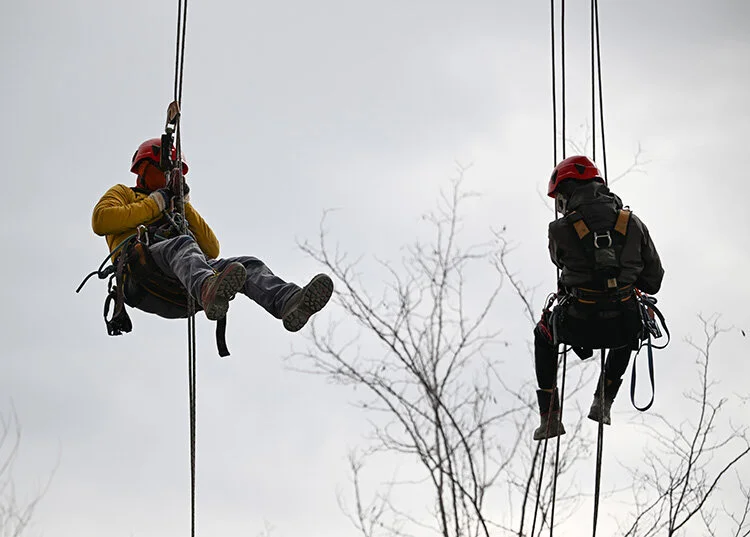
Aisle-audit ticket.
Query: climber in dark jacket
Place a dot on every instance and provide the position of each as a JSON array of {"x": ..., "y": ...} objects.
[{"x": 605, "y": 254}]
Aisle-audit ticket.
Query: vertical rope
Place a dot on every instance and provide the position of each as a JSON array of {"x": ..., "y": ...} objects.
[
  {"x": 564, "y": 353},
  {"x": 178, "y": 97},
  {"x": 597, "y": 82},
  {"x": 599, "y": 445},
  {"x": 557, "y": 451},
  {"x": 562, "y": 61},
  {"x": 601, "y": 93},
  {"x": 554, "y": 84},
  {"x": 539, "y": 486},
  {"x": 593, "y": 85},
  {"x": 528, "y": 488},
  {"x": 177, "y": 49},
  {"x": 565, "y": 350},
  {"x": 192, "y": 362}
]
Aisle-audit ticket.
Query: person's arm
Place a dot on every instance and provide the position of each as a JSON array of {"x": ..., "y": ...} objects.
[
  {"x": 118, "y": 211},
  {"x": 649, "y": 280},
  {"x": 203, "y": 234}
]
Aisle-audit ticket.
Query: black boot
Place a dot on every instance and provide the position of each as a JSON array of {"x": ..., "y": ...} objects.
[
  {"x": 549, "y": 409},
  {"x": 600, "y": 408}
]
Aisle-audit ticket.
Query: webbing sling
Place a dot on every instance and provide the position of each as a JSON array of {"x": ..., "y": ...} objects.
[
  {"x": 650, "y": 327},
  {"x": 120, "y": 321}
]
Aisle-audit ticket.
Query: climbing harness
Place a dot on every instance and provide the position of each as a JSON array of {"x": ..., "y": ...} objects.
[
  {"x": 652, "y": 325},
  {"x": 120, "y": 322},
  {"x": 133, "y": 274},
  {"x": 602, "y": 246}
]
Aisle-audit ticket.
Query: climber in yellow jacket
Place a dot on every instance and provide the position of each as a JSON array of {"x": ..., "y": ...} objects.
[{"x": 193, "y": 258}]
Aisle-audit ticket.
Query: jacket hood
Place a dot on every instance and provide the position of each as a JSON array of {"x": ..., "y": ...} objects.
[{"x": 593, "y": 192}]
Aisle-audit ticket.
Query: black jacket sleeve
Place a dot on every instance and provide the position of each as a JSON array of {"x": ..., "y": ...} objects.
[{"x": 649, "y": 280}]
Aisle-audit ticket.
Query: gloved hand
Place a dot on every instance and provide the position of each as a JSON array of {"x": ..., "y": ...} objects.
[
  {"x": 174, "y": 184},
  {"x": 162, "y": 197}
]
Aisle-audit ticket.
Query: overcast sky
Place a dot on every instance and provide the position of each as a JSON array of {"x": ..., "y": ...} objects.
[{"x": 291, "y": 108}]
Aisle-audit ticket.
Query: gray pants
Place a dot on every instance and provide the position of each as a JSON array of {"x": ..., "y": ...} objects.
[{"x": 181, "y": 258}]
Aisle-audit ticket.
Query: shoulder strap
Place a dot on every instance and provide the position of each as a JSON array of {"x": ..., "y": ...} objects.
[
  {"x": 621, "y": 226},
  {"x": 578, "y": 224}
]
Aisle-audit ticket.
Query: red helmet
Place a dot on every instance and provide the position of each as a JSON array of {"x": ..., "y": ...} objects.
[
  {"x": 151, "y": 150},
  {"x": 577, "y": 167}
]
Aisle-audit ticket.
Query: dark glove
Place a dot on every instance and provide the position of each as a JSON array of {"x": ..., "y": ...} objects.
[
  {"x": 174, "y": 184},
  {"x": 162, "y": 197}
]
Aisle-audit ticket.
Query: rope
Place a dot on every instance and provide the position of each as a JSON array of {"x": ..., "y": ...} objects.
[
  {"x": 528, "y": 487},
  {"x": 101, "y": 271},
  {"x": 539, "y": 486},
  {"x": 595, "y": 4},
  {"x": 561, "y": 395},
  {"x": 180, "y": 49},
  {"x": 192, "y": 389},
  {"x": 599, "y": 446},
  {"x": 557, "y": 272},
  {"x": 554, "y": 87},
  {"x": 596, "y": 65},
  {"x": 595, "y": 77},
  {"x": 557, "y": 451},
  {"x": 593, "y": 85},
  {"x": 178, "y": 83},
  {"x": 562, "y": 60}
]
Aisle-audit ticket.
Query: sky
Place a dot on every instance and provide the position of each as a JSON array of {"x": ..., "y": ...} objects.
[{"x": 291, "y": 108}]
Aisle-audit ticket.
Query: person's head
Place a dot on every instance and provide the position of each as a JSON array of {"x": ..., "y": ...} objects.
[
  {"x": 568, "y": 175},
  {"x": 145, "y": 165}
]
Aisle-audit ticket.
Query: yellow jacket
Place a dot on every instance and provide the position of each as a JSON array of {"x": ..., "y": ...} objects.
[{"x": 121, "y": 210}]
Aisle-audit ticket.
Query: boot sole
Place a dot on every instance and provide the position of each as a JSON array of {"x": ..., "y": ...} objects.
[
  {"x": 596, "y": 418},
  {"x": 232, "y": 280},
  {"x": 549, "y": 434},
  {"x": 315, "y": 296}
]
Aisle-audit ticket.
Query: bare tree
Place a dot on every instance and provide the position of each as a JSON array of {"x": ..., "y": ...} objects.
[
  {"x": 434, "y": 384},
  {"x": 677, "y": 487},
  {"x": 15, "y": 515},
  {"x": 439, "y": 395}
]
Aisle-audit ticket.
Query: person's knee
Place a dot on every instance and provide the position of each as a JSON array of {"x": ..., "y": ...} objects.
[
  {"x": 181, "y": 241},
  {"x": 173, "y": 243}
]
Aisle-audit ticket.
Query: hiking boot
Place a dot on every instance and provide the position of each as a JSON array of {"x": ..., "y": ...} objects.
[
  {"x": 549, "y": 409},
  {"x": 307, "y": 301},
  {"x": 601, "y": 407},
  {"x": 219, "y": 289}
]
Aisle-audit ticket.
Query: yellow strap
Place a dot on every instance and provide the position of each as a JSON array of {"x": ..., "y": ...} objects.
[
  {"x": 581, "y": 228},
  {"x": 621, "y": 226}
]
